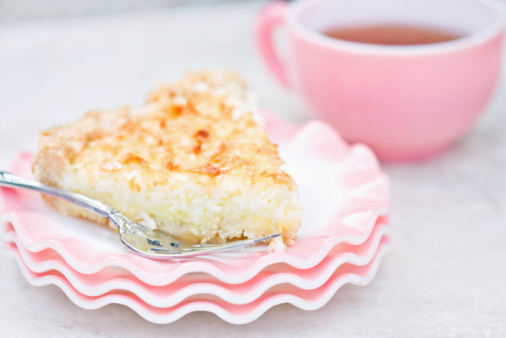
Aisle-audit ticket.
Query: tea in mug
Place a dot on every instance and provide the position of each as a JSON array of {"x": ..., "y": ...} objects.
[{"x": 392, "y": 34}]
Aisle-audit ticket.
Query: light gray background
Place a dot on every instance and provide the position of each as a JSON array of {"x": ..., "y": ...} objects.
[
  {"x": 25, "y": 10},
  {"x": 444, "y": 277}
]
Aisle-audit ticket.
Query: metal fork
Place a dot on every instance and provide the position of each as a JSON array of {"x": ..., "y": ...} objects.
[{"x": 142, "y": 240}]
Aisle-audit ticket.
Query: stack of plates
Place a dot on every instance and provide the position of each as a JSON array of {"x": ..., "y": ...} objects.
[{"x": 343, "y": 237}]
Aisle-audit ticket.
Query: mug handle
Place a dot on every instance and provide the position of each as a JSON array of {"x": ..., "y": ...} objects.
[{"x": 271, "y": 17}]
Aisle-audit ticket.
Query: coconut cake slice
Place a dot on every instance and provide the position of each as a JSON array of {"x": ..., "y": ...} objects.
[{"x": 194, "y": 161}]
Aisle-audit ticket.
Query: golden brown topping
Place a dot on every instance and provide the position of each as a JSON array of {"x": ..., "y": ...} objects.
[
  {"x": 133, "y": 159},
  {"x": 193, "y": 126},
  {"x": 202, "y": 133},
  {"x": 198, "y": 148},
  {"x": 206, "y": 168}
]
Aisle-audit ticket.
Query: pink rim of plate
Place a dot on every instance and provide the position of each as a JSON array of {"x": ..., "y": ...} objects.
[
  {"x": 367, "y": 203},
  {"x": 232, "y": 313},
  {"x": 174, "y": 293}
]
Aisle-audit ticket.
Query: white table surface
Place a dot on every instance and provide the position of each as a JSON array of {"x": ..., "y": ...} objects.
[{"x": 444, "y": 277}]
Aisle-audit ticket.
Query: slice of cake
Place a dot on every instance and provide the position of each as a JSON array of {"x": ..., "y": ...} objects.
[{"x": 194, "y": 161}]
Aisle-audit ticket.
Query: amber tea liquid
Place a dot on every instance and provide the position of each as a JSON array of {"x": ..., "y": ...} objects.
[{"x": 391, "y": 34}]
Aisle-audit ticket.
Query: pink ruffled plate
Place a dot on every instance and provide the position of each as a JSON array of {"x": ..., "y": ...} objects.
[
  {"x": 171, "y": 294},
  {"x": 233, "y": 313}
]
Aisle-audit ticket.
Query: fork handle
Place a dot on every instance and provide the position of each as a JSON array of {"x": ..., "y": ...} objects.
[{"x": 12, "y": 181}]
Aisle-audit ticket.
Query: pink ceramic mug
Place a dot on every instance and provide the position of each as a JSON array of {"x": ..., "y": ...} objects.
[{"x": 406, "y": 102}]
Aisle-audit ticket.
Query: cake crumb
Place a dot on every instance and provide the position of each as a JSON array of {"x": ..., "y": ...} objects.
[{"x": 277, "y": 245}]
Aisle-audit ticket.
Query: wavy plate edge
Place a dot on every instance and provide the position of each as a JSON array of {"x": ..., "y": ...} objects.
[
  {"x": 143, "y": 291},
  {"x": 143, "y": 309}
]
